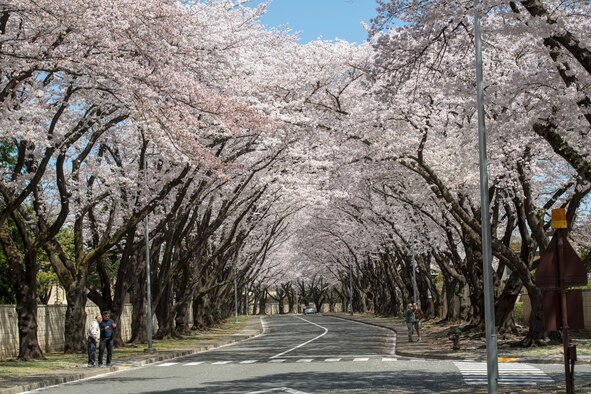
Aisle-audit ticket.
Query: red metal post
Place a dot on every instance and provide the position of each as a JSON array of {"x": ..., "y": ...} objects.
[{"x": 560, "y": 257}]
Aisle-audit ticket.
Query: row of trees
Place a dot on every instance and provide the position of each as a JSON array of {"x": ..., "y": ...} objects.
[
  {"x": 242, "y": 155},
  {"x": 407, "y": 188},
  {"x": 123, "y": 123}
]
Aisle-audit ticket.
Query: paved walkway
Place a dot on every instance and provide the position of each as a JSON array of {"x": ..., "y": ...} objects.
[{"x": 434, "y": 345}]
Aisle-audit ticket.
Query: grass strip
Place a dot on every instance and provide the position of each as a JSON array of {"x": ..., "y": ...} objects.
[{"x": 9, "y": 369}]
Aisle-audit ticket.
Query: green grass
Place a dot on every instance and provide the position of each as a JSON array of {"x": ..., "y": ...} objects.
[
  {"x": 10, "y": 368},
  {"x": 56, "y": 361}
]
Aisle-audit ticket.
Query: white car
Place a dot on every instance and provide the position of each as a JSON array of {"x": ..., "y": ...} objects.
[{"x": 309, "y": 310}]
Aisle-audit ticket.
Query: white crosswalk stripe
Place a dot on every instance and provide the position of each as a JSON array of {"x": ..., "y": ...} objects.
[
  {"x": 509, "y": 374},
  {"x": 284, "y": 360},
  {"x": 166, "y": 364}
]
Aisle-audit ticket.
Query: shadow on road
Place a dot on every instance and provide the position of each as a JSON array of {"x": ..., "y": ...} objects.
[{"x": 366, "y": 382}]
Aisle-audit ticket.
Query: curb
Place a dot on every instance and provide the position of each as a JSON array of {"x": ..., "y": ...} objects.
[{"x": 91, "y": 373}]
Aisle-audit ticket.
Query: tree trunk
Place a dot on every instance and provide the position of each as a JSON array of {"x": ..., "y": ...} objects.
[
  {"x": 139, "y": 316},
  {"x": 451, "y": 312},
  {"x": 201, "y": 315},
  {"x": 536, "y": 319},
  {"x": 23, "y": 270},
  {"x": 164, "y": 314},
  {"x": 26, "y": 309},
  {"x": 506, "y": 304},
  {"x": 263, "y": 303},
  {"x": 75, "y": 322},
  {"x": 182, "y": 319}
]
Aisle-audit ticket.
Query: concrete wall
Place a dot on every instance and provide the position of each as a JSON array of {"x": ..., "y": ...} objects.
[
  {"x": 50, "y": 321},
  {"x": 50, "y": 331},
  {"x": 272, "y": 308}
]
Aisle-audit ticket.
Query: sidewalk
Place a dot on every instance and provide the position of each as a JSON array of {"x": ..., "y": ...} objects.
[{"x": 18, "y": 384}]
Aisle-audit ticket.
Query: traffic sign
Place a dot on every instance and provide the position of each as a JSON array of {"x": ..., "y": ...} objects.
[{"x": 573, "y": 271}]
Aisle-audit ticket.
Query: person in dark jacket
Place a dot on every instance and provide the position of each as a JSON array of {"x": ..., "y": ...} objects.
[
  {"x": 410, "y": 320},
  {"x": 106, "y": 326}
]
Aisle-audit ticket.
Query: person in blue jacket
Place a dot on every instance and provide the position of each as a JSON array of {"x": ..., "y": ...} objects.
[{"x": 106, "y": 326}]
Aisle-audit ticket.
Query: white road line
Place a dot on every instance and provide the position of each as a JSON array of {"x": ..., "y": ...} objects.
[
  {"x": 194, "y": 363},
  {"x": 332, "y": 360},
  {"x": 305, "y": 343},
  {"x": 305, "y": 360},
  {"x": 475, "y": 373},
  {"x": 280, "y": 360},
  {"x": 248, "y": 361},
  {"x": 221, "y": 362},
  {"x": 387, "y": 359},
  {"x": 361, "y": 359},
  {"x": 166, "y": 364}
]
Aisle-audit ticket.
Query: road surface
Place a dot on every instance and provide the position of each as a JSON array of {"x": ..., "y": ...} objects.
[{"x": 316, "y": 354}]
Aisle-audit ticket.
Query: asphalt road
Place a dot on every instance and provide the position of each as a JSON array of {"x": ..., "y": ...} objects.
[{"x": 314, "y": 354}]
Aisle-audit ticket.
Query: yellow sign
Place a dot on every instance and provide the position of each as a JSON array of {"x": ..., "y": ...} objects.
[
  {"x": 507, "y": 359},
  {"x": 559, "y": 218}
]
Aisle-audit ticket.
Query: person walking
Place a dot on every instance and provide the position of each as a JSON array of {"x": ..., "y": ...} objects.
[
  {"x": 94, "y": 336},
  {"x": 410, "y": 320},
  {"x": 106, "y": 326},
  {"x": 419, "y": 315}
]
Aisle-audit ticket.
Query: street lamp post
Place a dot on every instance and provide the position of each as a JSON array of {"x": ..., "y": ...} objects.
[
  {"x": 350, "y": 289},
  {"x": 150, "y": 349},
  {"x": 246, "y": 305},
  {"x": 235, "y": 296},
  {"x": 489, "y": 316},
  {"x": 414, "y": 268}
]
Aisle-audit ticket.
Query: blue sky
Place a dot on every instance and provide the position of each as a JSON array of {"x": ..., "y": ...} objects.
[{"x": 328, "y": 19}]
